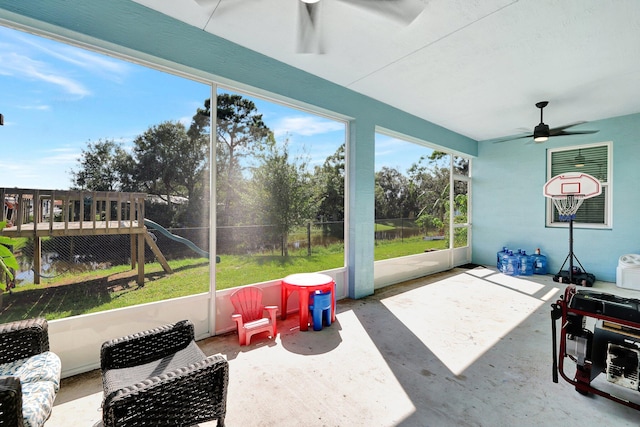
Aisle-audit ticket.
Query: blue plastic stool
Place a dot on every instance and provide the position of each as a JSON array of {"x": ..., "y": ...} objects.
[{"x": 320, "y": 308}]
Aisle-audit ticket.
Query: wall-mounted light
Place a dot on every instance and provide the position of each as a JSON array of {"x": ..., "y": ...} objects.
[
  {"x": 580, "y": 160},
  {"x": 1, "y": 120}
]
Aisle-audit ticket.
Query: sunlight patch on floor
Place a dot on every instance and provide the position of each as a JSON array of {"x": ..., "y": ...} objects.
[
  {"x": 384, "y": 389},
  {"x": 481, "y": 272},
  {"x": 81, "y": 411},
  {"x": 519, "y": 283},
  {"x": 553, "y": 293},
  {"x": 463, "y": 316}
]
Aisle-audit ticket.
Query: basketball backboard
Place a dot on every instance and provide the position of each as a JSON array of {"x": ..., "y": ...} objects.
[{"x": 572, "y": 184}]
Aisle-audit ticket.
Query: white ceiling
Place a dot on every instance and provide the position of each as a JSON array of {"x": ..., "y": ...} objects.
[{"x": 476, "y": 67}]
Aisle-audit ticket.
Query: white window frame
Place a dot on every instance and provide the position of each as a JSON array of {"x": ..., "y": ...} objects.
[
  {"x": 607, "y": 189},
  {"x": 467, "y": 179}
]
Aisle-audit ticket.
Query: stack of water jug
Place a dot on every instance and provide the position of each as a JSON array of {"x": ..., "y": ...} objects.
[{"x": 521, "y": 264}]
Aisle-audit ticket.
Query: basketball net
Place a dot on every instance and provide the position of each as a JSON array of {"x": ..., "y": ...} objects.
[{"x": 567, "y": 206}]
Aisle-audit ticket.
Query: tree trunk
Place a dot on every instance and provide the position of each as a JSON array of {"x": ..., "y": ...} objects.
[{"x": 285, "y": 245}]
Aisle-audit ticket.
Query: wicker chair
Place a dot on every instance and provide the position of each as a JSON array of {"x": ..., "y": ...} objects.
[
  {"x": 29, "y": 373},
  {"x": 161, "y": 377}
]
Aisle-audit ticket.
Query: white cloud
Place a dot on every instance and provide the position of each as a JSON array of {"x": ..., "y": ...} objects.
[
  {"x": 17, "y": 65},
  {"x": 9, "y": 167},
  {"x": 305, "y": 126},
  {"x": 383, "y": 141},
  {"x": 97, "y": 64},
  {"x": 61, "y": 155},
  {"x": 380, "y": 153},
  {"x": 40, "y": 107},
  {"x": 30, "y": 58}
]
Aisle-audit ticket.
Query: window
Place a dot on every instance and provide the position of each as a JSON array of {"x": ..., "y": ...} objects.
[
  {"x": 461, "y": 187},
  {"x": 80, "y": 120},
  {"x": 415, "y": 209},
  {"x": 280, "y": 185},
  {"x": 594, "y": 160}
]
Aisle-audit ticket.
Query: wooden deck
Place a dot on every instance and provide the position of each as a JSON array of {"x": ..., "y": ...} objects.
[
  {"x": 39, "y": 213},
  {"x": 77, "y": 228},
  {"x": 50, "y": 213}
]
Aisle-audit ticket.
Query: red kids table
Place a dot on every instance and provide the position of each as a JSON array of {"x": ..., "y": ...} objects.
[{"x": 306, "y": 283}]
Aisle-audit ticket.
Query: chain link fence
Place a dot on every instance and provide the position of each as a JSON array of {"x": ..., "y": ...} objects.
[
  {"x": 69, "y": 254},
  {"x": 75, "y": 254}
]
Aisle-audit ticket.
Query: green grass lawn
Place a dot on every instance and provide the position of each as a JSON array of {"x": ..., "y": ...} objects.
[
  {"x": 386, "y": 249},
  {"x": 90, "y": 292}
]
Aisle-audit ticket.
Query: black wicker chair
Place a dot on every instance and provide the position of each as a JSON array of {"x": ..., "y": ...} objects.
[
  {"x": 30, "y": 374},
  {"x": 161, "y": 377}
]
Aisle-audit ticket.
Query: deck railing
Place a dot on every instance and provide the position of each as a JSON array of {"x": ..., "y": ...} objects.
[{"x": 63, "y": 213}]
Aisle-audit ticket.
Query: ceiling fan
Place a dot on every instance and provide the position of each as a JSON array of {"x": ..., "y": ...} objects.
[
  {"x": 309, "y": 17},
  {"x": 309, "y": 38},
  {"x": 542, "y": 132}
]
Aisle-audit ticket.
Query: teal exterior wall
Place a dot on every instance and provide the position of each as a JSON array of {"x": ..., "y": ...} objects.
[
  {"x": 509, "y": 208},
  {"x": 128, "y": 28}
]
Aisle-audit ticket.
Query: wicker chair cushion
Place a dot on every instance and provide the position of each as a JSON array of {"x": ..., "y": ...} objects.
[
  {"x": 37, "y": 402},
  {"x": 40, "y": 378},
  {"x": 116, "y": 379}
]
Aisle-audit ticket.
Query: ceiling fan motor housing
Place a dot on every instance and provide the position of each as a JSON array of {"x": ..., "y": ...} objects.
[{"x": 541, "y": 131}]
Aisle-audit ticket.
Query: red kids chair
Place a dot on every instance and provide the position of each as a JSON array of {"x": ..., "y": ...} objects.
[{"x": 249, "y": 314}]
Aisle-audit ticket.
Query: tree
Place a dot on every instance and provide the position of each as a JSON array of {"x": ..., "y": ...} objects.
[
  {"x": 330, "y": 180},
  {"x": 167, "y": 164},
  {"x": 390, "y": 193},
  {"x": 240, "y": 131},
  {"x": 197, "y": 161},
  {"x": 284, "y": 190},
  {"x": 103, "y": 166},
  {"x": 8, "y": 262}
]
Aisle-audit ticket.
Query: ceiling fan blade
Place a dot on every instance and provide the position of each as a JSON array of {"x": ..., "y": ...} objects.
[
  {"x": 208, "y": 4},
  {"x": 309, "y": 34},
  {"x": 405, "y": 11},
  {"x": 560, "y": 128},
  {"x": 512, "y": 138},
  {"x": 560, "y": 131},
  {"x": 574, "y": 132}
]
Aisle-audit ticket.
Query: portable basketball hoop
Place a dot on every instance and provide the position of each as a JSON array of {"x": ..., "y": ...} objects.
[{"x": 568, "y": 191}]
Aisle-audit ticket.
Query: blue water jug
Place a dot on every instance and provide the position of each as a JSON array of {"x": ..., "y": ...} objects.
[
  {"x": 526, "y": 264},
  {"x": 499, "y": 256},
  {"x": 539, "y": 263},
  {"x": 510, "y": 264},
  {"x": 504, "y": 261}
]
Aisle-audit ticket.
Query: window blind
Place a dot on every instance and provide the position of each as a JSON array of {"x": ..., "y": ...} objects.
[{"x": 590, "y": 160}]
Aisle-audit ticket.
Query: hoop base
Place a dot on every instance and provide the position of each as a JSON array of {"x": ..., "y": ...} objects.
[{"x": 581, "y": 279}]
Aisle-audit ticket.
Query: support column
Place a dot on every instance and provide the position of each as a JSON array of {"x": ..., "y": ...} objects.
[
  {"x": 134, "y": 258},
  {"x": 140, "y": 239},
  {"x": 360, "y": 208},
  {"x": 37, "y": 258}
]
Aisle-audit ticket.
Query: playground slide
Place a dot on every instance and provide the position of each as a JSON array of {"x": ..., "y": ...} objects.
[{"x": 154, "y": 225}]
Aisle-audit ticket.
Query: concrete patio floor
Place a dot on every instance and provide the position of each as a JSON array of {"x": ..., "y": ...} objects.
[{"x": 467, "y": 347}]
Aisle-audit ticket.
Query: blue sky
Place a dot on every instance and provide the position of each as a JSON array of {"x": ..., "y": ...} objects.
[{"x": 55, "y": 98}]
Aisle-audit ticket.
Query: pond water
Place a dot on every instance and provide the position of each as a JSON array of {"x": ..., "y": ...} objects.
[{"x": 52, "y": 266}]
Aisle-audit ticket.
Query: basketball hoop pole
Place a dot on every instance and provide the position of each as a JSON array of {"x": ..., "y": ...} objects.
[
  {"x": 571, "y": 254},
  {"x": 568, "y": 191},
  {"x": 570, "y": 257}
]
